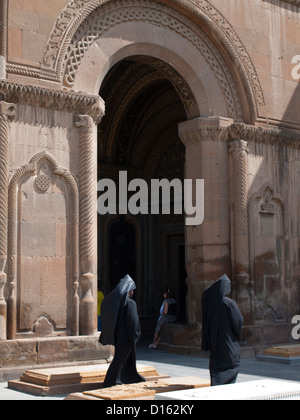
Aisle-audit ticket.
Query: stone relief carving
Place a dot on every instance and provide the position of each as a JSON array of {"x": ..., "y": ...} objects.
[
  {"x": 78, "y": 10},
  {"x": 267, "y": 207},
  {"x": 53, "y": 99},
  {"x": 107, "y": 16},
  {"x": 43, "y": 183},
  {"x": 267, "y": 227},
  {"x": 30, "y": 170}
]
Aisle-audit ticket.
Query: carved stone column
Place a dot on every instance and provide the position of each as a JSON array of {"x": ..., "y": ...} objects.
[
  {"x": 3, "y": 37},
  {"x": 7, "y": 113},
  {"x": 239, "y": 222},
  {"x": 87, "y": 224}
]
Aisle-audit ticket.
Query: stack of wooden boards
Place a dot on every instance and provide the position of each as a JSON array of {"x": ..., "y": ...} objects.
[{"x": 85, "y": 383}]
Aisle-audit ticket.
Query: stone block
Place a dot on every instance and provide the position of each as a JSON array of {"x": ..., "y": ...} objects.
[
  {"x": 51, "y": 351},
  {"x": 81, "y": 348},
  {"x": 18, "y": 353}
]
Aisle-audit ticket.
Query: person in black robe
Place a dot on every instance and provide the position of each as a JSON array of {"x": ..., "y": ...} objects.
[
  {"x": 221, "y": 332},
  {"x": 121, "y": 328}
]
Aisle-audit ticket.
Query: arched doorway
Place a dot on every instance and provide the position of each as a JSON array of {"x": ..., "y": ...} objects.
[
  {"x": 191, "y": 52},
  {"x": 139, "y": 134}
]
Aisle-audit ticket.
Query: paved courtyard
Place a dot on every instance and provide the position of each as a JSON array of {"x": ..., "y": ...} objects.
[{"x": 178, "y": 365}]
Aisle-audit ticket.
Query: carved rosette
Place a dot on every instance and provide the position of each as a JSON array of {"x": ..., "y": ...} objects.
[{"x": 7, "y": 113}]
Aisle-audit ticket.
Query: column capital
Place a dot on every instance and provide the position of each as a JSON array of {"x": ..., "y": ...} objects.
[
  {"x": 238, "y": 146},
  {"x": 84, "y": 121},
  {"x": 201, "y": 129},
  {"x": 7, "y": 110}
]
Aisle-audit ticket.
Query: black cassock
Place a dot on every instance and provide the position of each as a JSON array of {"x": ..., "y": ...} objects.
[
  {"x": 221, "y": 332},
  {"x": 121, "y": 328}
]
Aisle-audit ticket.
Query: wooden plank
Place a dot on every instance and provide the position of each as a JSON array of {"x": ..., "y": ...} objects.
[
  {"x": 77, "y": 374},
  {"x": 136, "y": 390},
  {"x": 292, "y": 350},
  {"x": 122, "y": 392}
]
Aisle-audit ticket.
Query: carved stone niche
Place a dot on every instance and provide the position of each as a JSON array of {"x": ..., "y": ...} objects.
[
  {"x": 43, "y": 243},
  {"x": 268, "y": 255}
]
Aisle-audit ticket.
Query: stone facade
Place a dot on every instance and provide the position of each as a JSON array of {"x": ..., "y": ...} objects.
[{"x": 230, "y": 66}]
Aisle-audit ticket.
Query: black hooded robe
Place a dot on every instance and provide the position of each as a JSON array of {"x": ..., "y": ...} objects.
[
  {"x": 121, "y": 328},
  {"x": 221, "y": 332}
]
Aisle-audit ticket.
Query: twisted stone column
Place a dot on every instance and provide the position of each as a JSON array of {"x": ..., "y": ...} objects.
[
  {"x": 239, "y": 218},
  {"x": 7, "y": 113},
  {"x": 3, "y": 37},
  {"x": 87, "y": 226}
]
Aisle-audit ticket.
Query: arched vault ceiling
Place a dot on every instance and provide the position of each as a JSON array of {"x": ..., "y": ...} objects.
[{"x": 142, "y": 107}]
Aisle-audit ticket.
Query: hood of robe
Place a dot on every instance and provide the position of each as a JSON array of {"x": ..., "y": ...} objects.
[
  {"x": 212, "y": 299},
  {"x": 112, "y": 307}
]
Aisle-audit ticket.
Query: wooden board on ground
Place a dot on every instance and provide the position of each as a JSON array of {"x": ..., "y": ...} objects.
[
  {"x": 65, "y": 380},
  {"x": 122, "y": 392},
  {"x": 76, "y": 374},
  {"x": 292, "y": 350},
  {"x": 142, "y": 390}
]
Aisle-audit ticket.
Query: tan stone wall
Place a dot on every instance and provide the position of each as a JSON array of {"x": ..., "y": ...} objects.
[
  {"x": 270, "y": 31},
  {"x": 30, "y": 23},
  {"x": 236, "y": 58}
]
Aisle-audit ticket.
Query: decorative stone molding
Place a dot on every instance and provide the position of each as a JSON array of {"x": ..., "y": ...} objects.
[
  {"x": 204, "y": 129},
  {"x": 77, "y": 11},
  {"x": 114, "y": 13},
  {"x": 91, "y": 105},
  {"x": 222, "y": 129},
  {"x": 7, "y": 113},
  {"x": 31, "y": 170},
  {"x": 263, "y": 135},
  {"x": 87, "y": 216}
]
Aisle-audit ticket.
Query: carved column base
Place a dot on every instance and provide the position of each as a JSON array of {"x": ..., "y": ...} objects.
[
  {"x": 243, "y": 297},
  {"x": 86, "y": 306},
  {"x": 3, "y": 308}
]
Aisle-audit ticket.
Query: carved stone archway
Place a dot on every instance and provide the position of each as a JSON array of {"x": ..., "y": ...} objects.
[{"x": 82, "y": 22}]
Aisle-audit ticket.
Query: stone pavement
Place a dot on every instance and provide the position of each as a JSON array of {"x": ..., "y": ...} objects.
[{"x": 179, "y": 365}]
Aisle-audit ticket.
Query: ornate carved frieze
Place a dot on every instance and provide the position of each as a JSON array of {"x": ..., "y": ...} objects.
[
  {"x": 77, "y": 11},
  {"x": 227, "y": 132},
  {"x": 91, "y": 105},
  {"x": 118, "y": 11},
  {"x": 275, "y": 136}
]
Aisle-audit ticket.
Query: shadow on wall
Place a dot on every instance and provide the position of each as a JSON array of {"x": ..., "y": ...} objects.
[{"x": 274, "y": 206}]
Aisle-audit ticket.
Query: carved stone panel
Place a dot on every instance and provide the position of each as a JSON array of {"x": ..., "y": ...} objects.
[
  {"x": 43, "y": 260},
  {"x": 268, "y": 255},
  {"x": 43, "y": 250}
]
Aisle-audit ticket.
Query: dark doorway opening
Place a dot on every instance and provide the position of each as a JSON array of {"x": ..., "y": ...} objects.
[
  {"x": 122, "y": 252},
  {"x": 139, "y": 134}
]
